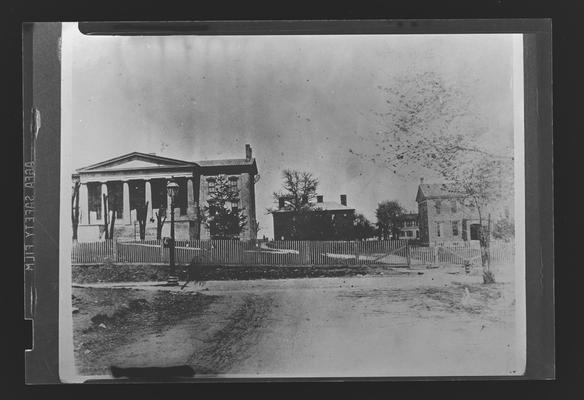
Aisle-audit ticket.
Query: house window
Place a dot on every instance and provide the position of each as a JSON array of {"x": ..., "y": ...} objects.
[
  {"x": 438, "y": 206},
  {"x": 233, "y": 184},
  {"x": 454, "y": 228},
  {"x": 438, "y": 230},
  {"x": 210, "y": 186},
  {"x": 409, "y": 233},
  {"x": 453, "y": 206}
]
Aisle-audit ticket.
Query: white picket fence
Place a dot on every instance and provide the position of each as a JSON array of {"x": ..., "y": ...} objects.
[{"x": 234, "y": 252}]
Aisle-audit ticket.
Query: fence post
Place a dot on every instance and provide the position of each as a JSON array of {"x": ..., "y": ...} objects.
[
  {"x": 435, "y": 252},
  {"x": 409, "y": 258},
  {"x": 115, "y": 243},
  {"x": 356, "y": 250}
]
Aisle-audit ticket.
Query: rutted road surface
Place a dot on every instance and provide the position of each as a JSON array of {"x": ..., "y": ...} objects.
[{"x": 431, "y": 324}]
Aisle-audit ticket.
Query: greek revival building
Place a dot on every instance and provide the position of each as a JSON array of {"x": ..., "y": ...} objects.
[{"x": 131, "y": 180}]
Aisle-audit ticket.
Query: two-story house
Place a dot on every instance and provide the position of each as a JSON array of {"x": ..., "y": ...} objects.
[
  {"x": 442, "y": 216},
  {"x": 323, "y": 220},
  {"x": 409, "y": 227}
]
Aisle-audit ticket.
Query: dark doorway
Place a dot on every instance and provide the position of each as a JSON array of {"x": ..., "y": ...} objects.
[
  {"x": 137, "y": 194},
  {"x": 475, "y": 230}
]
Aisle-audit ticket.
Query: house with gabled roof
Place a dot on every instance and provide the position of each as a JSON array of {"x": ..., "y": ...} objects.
[
  {"x": 131, "y": 180},
  {"x": 442, "y": 216}
]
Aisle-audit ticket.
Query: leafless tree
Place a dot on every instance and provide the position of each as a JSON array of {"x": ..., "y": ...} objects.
[
  {"x": 298, "y": 188},
  {"x": 431, "y": 125},
  {"x": 75, "y": 209},
  {"x": 160, "y": 219},
  {"x": 142, "y": 216}
]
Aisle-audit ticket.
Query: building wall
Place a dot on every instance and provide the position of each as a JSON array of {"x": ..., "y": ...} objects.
[
  {"x": 246, "y": 187},
  {"x": 423, "y": 221},
  {"x": 183, "y": 230},
  {"x": 430, "y": 218},
  {"x": 189, "y": 226},
  {"x": 341, "y": 221}
]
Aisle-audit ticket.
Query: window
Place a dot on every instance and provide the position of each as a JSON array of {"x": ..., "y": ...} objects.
[
  {"x": 210, "y": 186},
  {"x": 438, "y": 206},
  {"x": 438, "y": 228},
  {"x": 409, "y": 233},
  {"x": 453, "y": 206},
  {"x": 454, "y": 228},
  {"x": 233, "y": 184}
]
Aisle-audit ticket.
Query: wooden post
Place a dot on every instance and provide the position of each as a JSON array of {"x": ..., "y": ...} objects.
[
  {"x": 409, "y": 258},
  {"x": 115, "y": 243}
]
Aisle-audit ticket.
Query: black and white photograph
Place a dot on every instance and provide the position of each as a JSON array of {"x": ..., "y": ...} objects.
[{"x": 292, "y": 206}]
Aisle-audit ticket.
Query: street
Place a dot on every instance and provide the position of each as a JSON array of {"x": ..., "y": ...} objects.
[{"x": 431, "y": 322}]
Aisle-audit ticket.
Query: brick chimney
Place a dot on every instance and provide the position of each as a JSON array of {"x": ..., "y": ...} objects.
[
  {"x": 319, "y": 199},
  {"x": 344, "y": 199},
  {"x": 247, "y": 152}
]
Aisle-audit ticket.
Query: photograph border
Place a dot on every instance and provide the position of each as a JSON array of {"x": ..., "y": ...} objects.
[{"x": 41, "y": 56}]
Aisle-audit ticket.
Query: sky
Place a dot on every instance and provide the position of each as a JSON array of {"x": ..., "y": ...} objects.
[{"x": 302, "y": 102}]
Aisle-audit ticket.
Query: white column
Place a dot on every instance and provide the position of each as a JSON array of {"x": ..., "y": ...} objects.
[
  {"x": 126, "y": 210},
  {"x": 103, "y": 205},
  {"x": 168, "y": 198},
  {"x": 190, "y": 199},
  {"x": 83, "y": 205},
  {"x": 148, "y": 198}
]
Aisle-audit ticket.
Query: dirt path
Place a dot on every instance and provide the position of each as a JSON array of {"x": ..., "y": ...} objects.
[
  {"x": 424, "y": 324},
  {"x": 385, "y": 327}
]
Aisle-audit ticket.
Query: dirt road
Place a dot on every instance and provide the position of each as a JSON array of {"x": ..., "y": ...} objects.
[{"x": 433, "y": 323}]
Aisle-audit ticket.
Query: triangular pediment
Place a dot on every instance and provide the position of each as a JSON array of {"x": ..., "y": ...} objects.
[{"x": 135, "y": 161}]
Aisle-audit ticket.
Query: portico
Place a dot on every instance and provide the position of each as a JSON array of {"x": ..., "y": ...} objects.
[{"x": 131, "y": 181}]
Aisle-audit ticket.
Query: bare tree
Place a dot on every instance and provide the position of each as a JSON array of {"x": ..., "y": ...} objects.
[
  {"x": 160, "y": 219},
  {"x": 432, "y": 125},
  {"x": 75, "y": 209},
  {"x": 142, "y": 216},
  {"x": 105, "y": 217},
  {"x": 298, "y": 189},
  {"x": 112, "y": 225}
]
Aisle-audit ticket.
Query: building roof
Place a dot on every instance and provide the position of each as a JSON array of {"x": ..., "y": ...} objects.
[
  {"x": 134, "y": 159},
  {"x": 137, "y": 160},
  {"x": 436, "y": 191},
  {"x": 409, "y": 217},
  {"x": 324, "y": 206}
]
